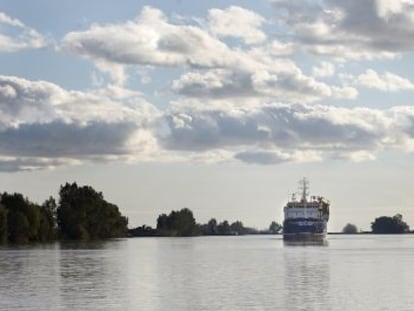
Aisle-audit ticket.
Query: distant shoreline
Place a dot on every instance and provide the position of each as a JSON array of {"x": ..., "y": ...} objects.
[{"x": 261, "y": 233}]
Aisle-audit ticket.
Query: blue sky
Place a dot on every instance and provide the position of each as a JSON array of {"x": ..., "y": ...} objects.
[{"x": 219, "y": 106}]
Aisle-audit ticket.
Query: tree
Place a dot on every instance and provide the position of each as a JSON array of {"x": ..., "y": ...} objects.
[
  {"x": 224, "y": 228},
  {"x": 350, "y": 229},
  {"x": 23, "y": 218},
  {"x": 177, "y": 223},
  {"x": 47, "y": 230},
  {"x": 274, "y": 227},
  {"x": 22, "y": 221},
  {"x": 385, "y": 225},
  {"x": 3, "y": 225},
  {"x": 83, "y": 214},
  {"x": 212, "y": 226},
  {"x": 237, "y": 228},
  {"x": 143, "y": 230}
]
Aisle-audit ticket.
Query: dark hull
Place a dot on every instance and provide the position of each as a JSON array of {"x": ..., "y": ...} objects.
[{"x": 304, "y": 230}]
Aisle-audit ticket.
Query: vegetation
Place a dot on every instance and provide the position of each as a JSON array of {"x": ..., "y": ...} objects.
[
  {"x": 177, "y": 223},
  {"x": 275, "y": 228},
  {"x": 83, "y": 214},
  {"x": 183, "y": 223},
  {"x": 143, "y": 230},
  {"x": 22, "y": 221},
  {"x": 350, "y": 229},
  {"x": 225, "y": 228},
  {"x": 3, "y": 225},
  {"x": 387, "y": 225}
]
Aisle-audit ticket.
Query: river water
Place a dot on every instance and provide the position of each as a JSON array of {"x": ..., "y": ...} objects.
[{"x": 363, "y": 272}]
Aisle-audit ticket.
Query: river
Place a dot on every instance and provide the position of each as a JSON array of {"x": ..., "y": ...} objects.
[{"x": 361, "y": 272}]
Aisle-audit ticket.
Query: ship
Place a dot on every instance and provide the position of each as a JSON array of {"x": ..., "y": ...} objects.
[{"x": 306, "y": 218}]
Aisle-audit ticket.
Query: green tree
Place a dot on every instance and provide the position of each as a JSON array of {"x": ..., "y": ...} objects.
[
  {"x": 274, "y": 227},
  {"x": 211, "y": 227},
  {"x": 18, "y": 227},
  {"x": 83, "y": 214},
  {"x": 23, "y": 218},
  {"x": 178, "y": 223},
  {"x": 237, "y": 228},
  {"x": 223, "y": 228},
  {"x": 350, "y": 229},
  {"x": 47, "y": 230},
  {"x": 22, "y": 221},
  {"x": 3, "y": 225},
  {"x": 385, "y": 225}
]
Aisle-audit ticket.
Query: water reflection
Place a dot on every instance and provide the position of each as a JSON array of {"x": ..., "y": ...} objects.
[
  {"x": 27, "y": 277},
  {"x": 91, "y": 274},
  {"x": 323, "y": 242},
  {"x": 210, "y": 273},
  {"x": 306, "y": 277},
  {"x": 177, "y": 274}
]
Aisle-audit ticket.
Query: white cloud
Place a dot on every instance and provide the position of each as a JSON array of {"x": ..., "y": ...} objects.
[
  {"x": 283, "y": 85},
  {"x": 325, "y": 69},
  {"x": 17, "y": 36},
  {"x": 350, "y": 29},
  {"x": 276, "y": 133},
  {"x": 217, "y": 70},
  {"x": 356, "y": 156},
  {"x": 237, "y": 22},
  {"x": 387, "y": 82},
  {"x": 151, "y": 40},
  {"x": 43, "y": 125}
]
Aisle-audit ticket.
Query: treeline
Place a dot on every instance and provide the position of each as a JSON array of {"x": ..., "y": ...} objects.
[
  {"x": 22, "y": 221},
  {"x": 81, "y": 213},
  {"x": 382, "y": 225},
  {"x": 183, "y": 223}
]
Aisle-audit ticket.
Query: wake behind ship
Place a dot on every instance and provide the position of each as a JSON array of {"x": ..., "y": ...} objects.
[{"x": 306, "y": 219}]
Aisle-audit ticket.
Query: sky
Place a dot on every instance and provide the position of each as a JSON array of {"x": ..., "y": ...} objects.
[{"x": 218, "y": 106}]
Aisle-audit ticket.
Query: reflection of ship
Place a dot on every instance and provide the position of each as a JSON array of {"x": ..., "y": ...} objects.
[{"x": 306, "y": 219}]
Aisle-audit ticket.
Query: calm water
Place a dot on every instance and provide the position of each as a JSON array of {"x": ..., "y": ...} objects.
[{"x": 211, "y": 273}]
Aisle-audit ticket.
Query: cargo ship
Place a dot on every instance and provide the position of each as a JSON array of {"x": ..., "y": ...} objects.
[{"x": 306, "y": 218}]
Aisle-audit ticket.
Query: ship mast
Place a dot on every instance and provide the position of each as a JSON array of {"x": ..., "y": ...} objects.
[{"x": 304, "y": 186}]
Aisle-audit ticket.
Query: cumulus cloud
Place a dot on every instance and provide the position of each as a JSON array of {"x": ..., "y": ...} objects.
[
  {"x": 275, "y": 133},
  {"x": 216, "y": 69},
  {"x": 43, "y": 124},
  {"x": 237, "y": 22},
  {"x": 386, "y": 82},
  {"x": 287, "y": 85},
  {"x": 237, "y": 94},
  {"x": 325, "y": 69},
  {"x": 151, "y": 39},
  {"x": 15, "y": 35},
  {"x": 279, "y": 125},
  {"x": 15, "y": 164},
  {"x": 350, "y": 29}
]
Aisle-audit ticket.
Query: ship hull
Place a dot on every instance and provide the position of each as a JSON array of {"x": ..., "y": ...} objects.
[{"x": 304, "y": 230}]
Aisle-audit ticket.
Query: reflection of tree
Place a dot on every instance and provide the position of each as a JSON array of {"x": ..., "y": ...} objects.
[{"x": 88, "y": 272}]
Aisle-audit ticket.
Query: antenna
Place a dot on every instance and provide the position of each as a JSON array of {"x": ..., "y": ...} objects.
[{"x": 304, "y": 187}]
